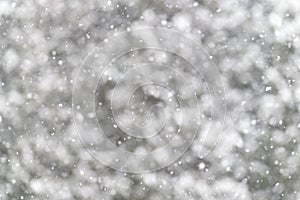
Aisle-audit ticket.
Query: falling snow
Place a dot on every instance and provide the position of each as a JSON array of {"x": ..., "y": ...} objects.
[{"x": 255, "y": 45}]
